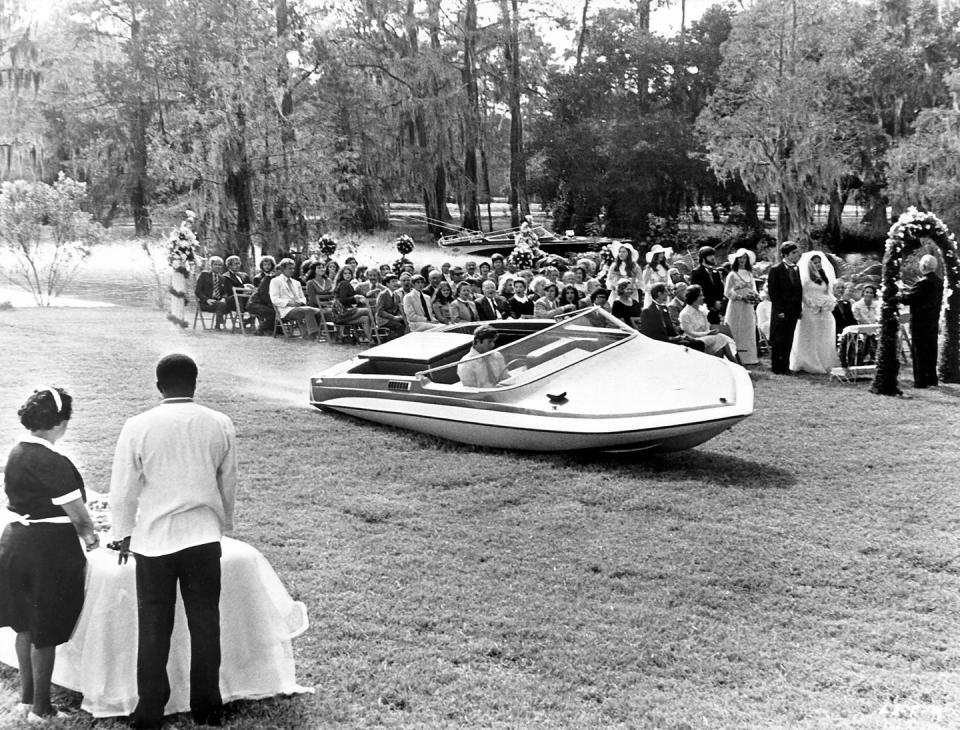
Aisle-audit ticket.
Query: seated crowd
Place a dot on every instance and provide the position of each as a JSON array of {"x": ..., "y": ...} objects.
[{"x": 716, "y": 309}]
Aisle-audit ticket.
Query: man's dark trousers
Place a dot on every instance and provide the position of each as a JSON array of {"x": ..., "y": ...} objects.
[
  {"x": 781, "y": 341},
  {"x": 197, "y": 569}
]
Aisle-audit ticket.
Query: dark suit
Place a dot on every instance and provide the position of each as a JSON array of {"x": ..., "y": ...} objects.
[
  {"x": 655, "y": 323},
  {"x": 925, "y": 299},
  {"x": 486, "y": 311},
  {"x": 261, "y": 307},
  {"x": 710, "y": 280},
  {"x": 207, "y": 289},
  {"x": 843, "y": 315},
  {"x": 233, "y": 280},
  {"x": 786, "y": 305}
]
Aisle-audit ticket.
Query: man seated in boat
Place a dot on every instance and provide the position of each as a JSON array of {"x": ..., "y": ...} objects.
[{"x": 481, "y": 368}]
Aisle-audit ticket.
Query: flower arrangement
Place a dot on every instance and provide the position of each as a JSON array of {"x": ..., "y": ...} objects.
[
  {"x": 404, "y": 244},
  {"x": 182, "y": 249},
  {"x": 904, "y": 237},
  {"x": 607, "y": 257},
  {"x": 327, "y": 245}
]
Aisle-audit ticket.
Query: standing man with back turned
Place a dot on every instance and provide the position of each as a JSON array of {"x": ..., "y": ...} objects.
[
  {"x": 171, "y": 496},
  {"x": 786, "y": 300}
]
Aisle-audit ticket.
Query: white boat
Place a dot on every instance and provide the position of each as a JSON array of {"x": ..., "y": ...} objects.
[{"x": 587, "y": 382}]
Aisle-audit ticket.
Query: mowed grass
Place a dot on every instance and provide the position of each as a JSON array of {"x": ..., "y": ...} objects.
[{"x": 798, "y": 571}]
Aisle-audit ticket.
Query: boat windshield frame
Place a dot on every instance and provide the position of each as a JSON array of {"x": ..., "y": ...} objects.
[{"x": 559, "y": 349}]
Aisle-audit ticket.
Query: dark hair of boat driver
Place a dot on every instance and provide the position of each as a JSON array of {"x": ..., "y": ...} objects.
[{"x": 482, "y": 333}]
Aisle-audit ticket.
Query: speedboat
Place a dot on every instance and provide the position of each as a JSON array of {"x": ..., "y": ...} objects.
[
  {"x": 475, "y": 243},
  {"x": 586, "y": 382}
]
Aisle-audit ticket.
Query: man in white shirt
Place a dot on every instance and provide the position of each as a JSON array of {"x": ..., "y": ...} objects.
[
  {"x": 172, "y": 494},
  {"x": 416, "y": 307},
  {"x": 481, "y": 368},
  {"x": 287, "y": 297}
]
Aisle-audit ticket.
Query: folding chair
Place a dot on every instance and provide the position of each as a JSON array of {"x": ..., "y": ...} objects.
[
  {"x": 289, "y": 329},
  {"x": 904, "y": 342},
  {"x": 198, "y": 314},
  {"x": 240, "y": 299}
]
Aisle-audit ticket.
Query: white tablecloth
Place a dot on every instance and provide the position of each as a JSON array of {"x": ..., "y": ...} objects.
[{"x": 258, "y": 620}]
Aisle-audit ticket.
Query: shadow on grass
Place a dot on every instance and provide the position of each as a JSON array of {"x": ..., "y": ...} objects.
[{"x": 694, "y": 464}]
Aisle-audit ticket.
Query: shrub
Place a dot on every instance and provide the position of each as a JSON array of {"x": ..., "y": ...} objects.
[{"x": 33, "y": 211}]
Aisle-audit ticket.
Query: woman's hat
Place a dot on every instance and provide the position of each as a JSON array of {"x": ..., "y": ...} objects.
[
  {"x": 657, "y": 248},
  {"x": 617, "y": 245},
  {"x": 740, "y": 252}
]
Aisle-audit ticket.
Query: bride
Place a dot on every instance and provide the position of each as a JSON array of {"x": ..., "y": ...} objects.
[{"x": 815, "y": 340}]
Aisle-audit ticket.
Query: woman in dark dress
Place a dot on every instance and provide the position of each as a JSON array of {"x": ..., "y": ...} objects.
[
  {"x": 355, "y": 310},
  {"x": 42, "y": 566},
  {"x": 521, "y": 307},
  {"x": 626, "y": 307}
]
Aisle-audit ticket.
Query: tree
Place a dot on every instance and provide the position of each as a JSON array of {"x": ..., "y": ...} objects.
[
  {"x": 779, "y": 117},
  {"x": 31, "y": 211},
  {"x": 21, "y": 77}
]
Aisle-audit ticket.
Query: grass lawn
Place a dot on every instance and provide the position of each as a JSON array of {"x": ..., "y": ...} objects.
[{"x": 799, "y": 571}]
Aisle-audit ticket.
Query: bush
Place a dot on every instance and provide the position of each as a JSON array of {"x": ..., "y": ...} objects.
[
  {"x": 853, "y": 239},
  {"x": 32, "y": 211}
]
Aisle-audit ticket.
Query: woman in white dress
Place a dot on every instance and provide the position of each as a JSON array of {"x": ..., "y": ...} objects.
[
  {"x": 656, "y": 271},
  {"x": 693, "y": 322},
  {"x": 740, "y": 289},
  {"x": 625, "y": 266},
  {"x": 815, "y": 340}
]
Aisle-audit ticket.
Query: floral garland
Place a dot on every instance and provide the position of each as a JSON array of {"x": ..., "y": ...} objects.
[
  {"x": 904, "y": 237},
  {"x": 327, "y": 245}
]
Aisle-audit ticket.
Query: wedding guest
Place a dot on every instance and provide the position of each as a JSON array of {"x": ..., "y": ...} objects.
[
  {"x": 814, "y": 347},
  {"x": 549, "y": 306},
  {"x": 470, "y": 268},
  {"x": 264, "y": 269},
  {"x": 416, "y": 307},
  {"x": 571, "y": 295},
  {"x": 694, "y": 323},
  {"x": 315, "y": 290},
  {"x": 521, "y": 307},
  {"x": 41, "y": 564},
  {"x": 172, "y": 493},
  {"x": 866, "y": 310},
  {"x": 287, "y": 297},
  {"x": 786, "y": 306},
  {"x": 327, "y": 280},
  {"x": 676, "y": 303},
  {"x": 655, "y": 321},
  {"x": 710, "y": 281},
  {"x": 371, "y": 286},
  {"x": 536, "y": 287},
  {"x": 626, "y": 307},
  {"x": 434, "y": 277},
  {"x": 656, "y": 271},
  {"x": 406, "y": 286},
  {"x": 601, "y": 298},
  {"x": 624, "y": 267},
  {"x": 843, "y": 315},
  {"x": 499, "y": 267},
  {"x": 260, "y": 305},
  {"x": 352, "y": 307},
  {"x": 464, "y": 308},
  {"x": 491, "y": 305},
  {"x": 209, "y": 292},
  {"x": 387, "y": 311},
  {"x": 740, "y": 290},
  {"x": 764, "y": 309},
  {"x": 480, "y": 367},
  {"x": 440, "y": 302},
  {"x": 483, "y": 270},
  {"x": 925, "y": 299}
]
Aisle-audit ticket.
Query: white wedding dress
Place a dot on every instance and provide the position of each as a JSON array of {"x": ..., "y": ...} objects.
[{"x": 815, "y": 339}]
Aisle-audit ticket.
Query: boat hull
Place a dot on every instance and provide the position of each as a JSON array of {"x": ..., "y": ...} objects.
[{"x": 533, "y": 433}]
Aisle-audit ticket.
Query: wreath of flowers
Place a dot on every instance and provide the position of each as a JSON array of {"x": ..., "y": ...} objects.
[
  {"x": 182, "y": 249},
  {"x": 903, "y": 238},
  {"x": 327, "y": 245},
  {"x": 404, "y": 244}
]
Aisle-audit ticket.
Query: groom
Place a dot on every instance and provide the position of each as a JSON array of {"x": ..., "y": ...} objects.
[{"x": 786, "y": 299}]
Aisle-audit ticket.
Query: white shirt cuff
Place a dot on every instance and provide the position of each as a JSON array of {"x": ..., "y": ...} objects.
[{"x": 75, "y": 494}]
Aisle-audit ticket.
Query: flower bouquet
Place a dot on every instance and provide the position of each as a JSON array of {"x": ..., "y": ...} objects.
[
  {"x": 327, "y": 244},
  {"x": 404, "y": 244},
  {"x": 182, "y": 250}
]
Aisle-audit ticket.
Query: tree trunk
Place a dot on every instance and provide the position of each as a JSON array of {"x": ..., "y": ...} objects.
[
  {"x": 783, "y": 220},
  {"x": 519, "y": 204},
  {"x": 582, "y": 40},
  {"x": 138, "y": 183},
  {"x": 875, "y": 219},
  {"x": 833, "y": 231},
  {"x": 470, "y": 209},
  {"x": 239, "y": 189},
  {"x": 767, "y": 217}
]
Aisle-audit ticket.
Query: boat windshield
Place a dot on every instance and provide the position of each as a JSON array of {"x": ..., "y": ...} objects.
[{"x": 536, "y": 355}]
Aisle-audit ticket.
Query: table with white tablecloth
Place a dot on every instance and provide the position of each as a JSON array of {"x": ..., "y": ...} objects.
[{"x": 258, "y": 620}]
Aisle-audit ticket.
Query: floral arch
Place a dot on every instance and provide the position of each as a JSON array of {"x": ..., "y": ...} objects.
[{"x": 905, "y": 237}]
